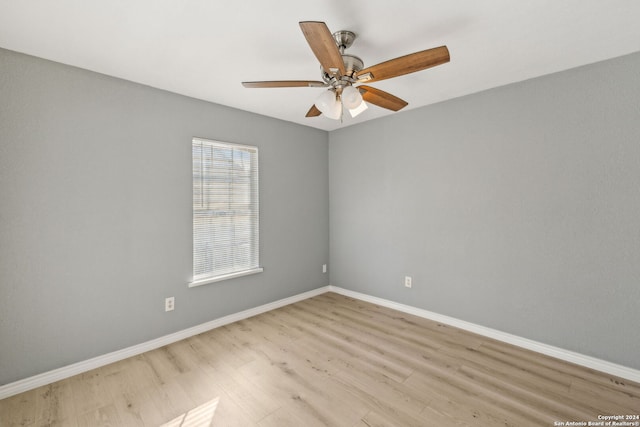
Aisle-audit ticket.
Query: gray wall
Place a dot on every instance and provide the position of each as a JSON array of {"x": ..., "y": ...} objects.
[
  {"x": 95, "y": 213},
  {"x": 517, "y": 208}
]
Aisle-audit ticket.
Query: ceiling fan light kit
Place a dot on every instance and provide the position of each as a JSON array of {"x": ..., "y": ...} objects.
[{"x": 340, "y": 71}]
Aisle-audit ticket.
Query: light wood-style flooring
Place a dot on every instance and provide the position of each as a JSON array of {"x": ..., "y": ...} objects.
[{"x": 329, "y": 361}]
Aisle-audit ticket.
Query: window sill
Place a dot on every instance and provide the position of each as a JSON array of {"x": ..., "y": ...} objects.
[{"x": 208, "y": 280}]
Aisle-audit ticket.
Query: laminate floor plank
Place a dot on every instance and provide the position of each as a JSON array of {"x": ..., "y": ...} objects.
[
  {"x": 350, "y": 347},
  {"x": 410, "y": 350},
  {"x": 603, "y": 397},
  {"x": 369, "y": 326},
  {"x": 294, "y": 374},
  {"x": 345, "y": 379},
  {"x": 404, "y": 321},
  {"x": 329, "y": 360},
  {"x": 133, "y": 402},
  {"x": 54, "y": 404},
  {"x": 511, "y": 370},
  {"x": 89, "y": 392},
  {"x": 561, "y": 369},
  {"x": 292, "y": 416},
  {"x": 547, "y": 403},
  {"x": 459, "y": 398},
  {"x": 105, "y": 416},
  {"x": 19, "y": 410},
  {"x": 227, "y": 413}
]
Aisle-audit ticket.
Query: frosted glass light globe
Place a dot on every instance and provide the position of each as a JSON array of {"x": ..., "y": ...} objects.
[
  {"x": 326, "y": 101},
  {"x": 329, "y": 105},
  {"x": 351, "y": 97}
]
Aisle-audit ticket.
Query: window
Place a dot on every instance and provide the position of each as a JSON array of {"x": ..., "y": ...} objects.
[{"x": 225, "y": 211}]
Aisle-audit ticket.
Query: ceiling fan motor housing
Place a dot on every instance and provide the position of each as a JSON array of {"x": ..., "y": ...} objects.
[{"x": 352, "y": 64}]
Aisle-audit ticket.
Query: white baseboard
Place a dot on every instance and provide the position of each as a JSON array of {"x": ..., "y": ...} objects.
[
  {"x": 549, "y": 350},
  {"x": 45, "y": 378}
]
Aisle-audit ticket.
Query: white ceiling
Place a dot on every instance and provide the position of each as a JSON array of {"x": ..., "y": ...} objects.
[{"x": 206, "y": 48}]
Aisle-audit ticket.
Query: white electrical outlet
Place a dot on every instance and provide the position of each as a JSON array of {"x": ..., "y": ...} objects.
[
  {"x": 324, "y": 268},
  {"x": 169, "y": 304},
  {"x": 407, "y": 281}
]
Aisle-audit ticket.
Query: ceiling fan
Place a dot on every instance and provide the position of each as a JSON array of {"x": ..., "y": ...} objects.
[{"x": 341, "y": 71}]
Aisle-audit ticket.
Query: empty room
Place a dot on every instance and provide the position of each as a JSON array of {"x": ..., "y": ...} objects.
[{"x": 319, "y": 213}]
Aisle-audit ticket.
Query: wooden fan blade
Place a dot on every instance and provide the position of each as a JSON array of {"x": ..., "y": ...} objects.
[
  {"x": 324, "y": 46},
  {"x": 381, "y": 98},
  {"x": 405, "y": 64},
  {"x": 313, "y": 111},
  {"x": 285, "y": 83}
]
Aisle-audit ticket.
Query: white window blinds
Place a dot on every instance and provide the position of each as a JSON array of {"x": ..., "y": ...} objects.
[{"x": 225, "y": 211}]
